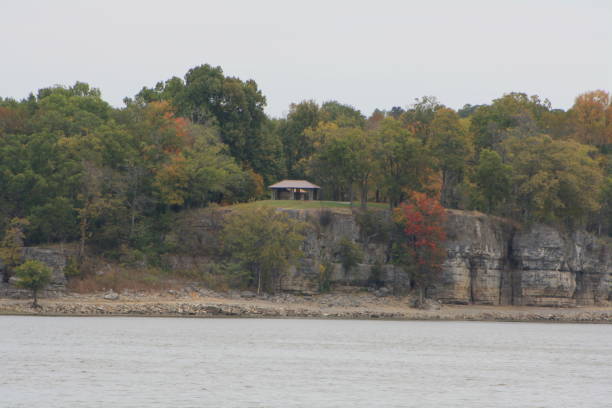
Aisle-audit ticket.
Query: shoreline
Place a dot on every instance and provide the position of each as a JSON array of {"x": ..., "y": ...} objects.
[{"x": 338, "y": 307}]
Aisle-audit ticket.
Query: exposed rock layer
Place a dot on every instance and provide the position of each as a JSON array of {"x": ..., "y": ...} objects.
[{"x": 489, "y": 261}]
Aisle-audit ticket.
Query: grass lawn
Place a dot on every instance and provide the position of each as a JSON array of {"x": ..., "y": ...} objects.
[{"x": 300, "y": 204}]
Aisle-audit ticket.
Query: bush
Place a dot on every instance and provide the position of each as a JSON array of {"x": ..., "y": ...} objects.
[
  {"x": 72, "y": 268},
  {"x": 374, "y": 225},
  {"x": 376, "y": 275},
  {"x": 325, "y": 217},
  {"x": 349, "y": 254},
  {"x": 325, "y": 271}
]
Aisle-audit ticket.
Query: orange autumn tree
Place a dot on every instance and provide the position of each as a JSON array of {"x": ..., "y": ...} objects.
[
  {"x": 419, "y": 247},
  {"x": 592, "y": 118}
]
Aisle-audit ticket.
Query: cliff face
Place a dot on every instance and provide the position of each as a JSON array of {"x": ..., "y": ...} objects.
[
  {"x": 561, "y": 269},
  {"x": 489, "y": 261},
  {"x": 477, "y": 268}
]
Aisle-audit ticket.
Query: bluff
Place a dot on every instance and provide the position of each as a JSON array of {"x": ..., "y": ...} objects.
[{"x": 489, "y": 260}]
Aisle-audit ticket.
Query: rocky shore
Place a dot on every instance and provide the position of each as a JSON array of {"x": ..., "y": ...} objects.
[{"x": 328, "y": 306}]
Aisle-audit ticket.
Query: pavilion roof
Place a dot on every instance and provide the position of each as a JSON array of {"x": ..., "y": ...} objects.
[{"x": 294, "y": 184}]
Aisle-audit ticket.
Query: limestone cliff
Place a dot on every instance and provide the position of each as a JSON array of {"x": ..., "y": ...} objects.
[{"x": 489, "y": 260}]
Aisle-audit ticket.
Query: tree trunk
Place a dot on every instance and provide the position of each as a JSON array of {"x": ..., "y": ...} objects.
[
  {"x": 420, "y": 302},
  {"x": 364, "y": 195},
  {"x": 132, "y": 220},
  {"x": 35, "y": 295},
  {"x": 83, "y": 231},
  {"x": 258, "y": 281}
]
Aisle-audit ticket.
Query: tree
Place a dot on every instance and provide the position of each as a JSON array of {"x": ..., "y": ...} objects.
[
  {"x": 342, "y": 115},
  {"x": 451, "y": 146},
  {"x": 420, "y": 115},
  {"x": 207, "y": 96},
  {"x": 605, "y": 223},
  {"x": 350, "y": 254},
  {"x": 492, "y": 179},
  {"x": 333, "y": 162},
  {"x": 297, "y": 146},
  {"x": 401, "y": 160},
  {"x": 592, "y": 118},
  {"x": 419, "y": 247},
  {"x": 33, "y": 275},
  {"x": 11, "y": 246},
  {"x": 342, "y": 158},
  {"x": 553, "y": 180},
  {"x": 93, "y": 203},
  {"x": 212, "y": 175},
  {"x": 490, "y": 123},
  {"x": 265, "y": 242}
]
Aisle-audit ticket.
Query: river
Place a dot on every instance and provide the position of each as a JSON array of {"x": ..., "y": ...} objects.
[{"x": 65, "y": 362}]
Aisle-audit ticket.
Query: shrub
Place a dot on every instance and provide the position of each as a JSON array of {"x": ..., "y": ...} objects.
[
  {"x": 374, "y": 225},
  {"x": 325, "y": 271},
  {"x": 325, "y": 217},
  {"x": 349, "y": 253},
  {"x": 376, "y": 275}
]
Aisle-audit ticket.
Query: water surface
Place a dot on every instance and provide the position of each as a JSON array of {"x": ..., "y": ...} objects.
[{"x": 170, "y": 362}]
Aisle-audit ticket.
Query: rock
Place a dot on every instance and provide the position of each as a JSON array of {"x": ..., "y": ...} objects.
[
  {"x": 430, "y": 304},
  {"x": 111, "y": 295},
  {"x": 382, "y": 292},
  {"x": 560, "y": 269},
  {"x": 247, "y": 294},
  {"x": 213, "y": 309}
]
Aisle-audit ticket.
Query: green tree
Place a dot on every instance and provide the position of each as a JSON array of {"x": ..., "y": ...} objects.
[
  {"x": 342, "y": 158},
  {"x": 419, "y": 117},
  {"x": 210, "y": 173},
  {"x": 492, "y": 178},
  {"x": 265, "y": 242},
  {"x": 605, "y": 223},
  {"x": 402, "y": 161},
  {"x": 349, "y": 254},
  {"x": 553, "y": 180},
  {"x": 515, "y": 112},
  {"x": 297, "y": 146},
  {"x": 451, "y": 146},
  {"x": 207, "y": 96},
  {"x": 341, "y": 114},
  {"x": 33, "y": 275}
]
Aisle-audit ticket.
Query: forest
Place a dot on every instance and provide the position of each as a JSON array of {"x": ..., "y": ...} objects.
[{"x": 75, "y": 169}]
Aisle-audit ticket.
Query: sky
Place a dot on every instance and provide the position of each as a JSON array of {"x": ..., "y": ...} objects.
[{"x": 369, "y": 54}]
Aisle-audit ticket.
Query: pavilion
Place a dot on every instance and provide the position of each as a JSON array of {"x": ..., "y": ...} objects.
[{"x": 294, "y": 190}]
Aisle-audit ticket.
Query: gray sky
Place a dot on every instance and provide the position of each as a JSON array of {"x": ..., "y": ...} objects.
[{"x": 367, "y": 54}]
